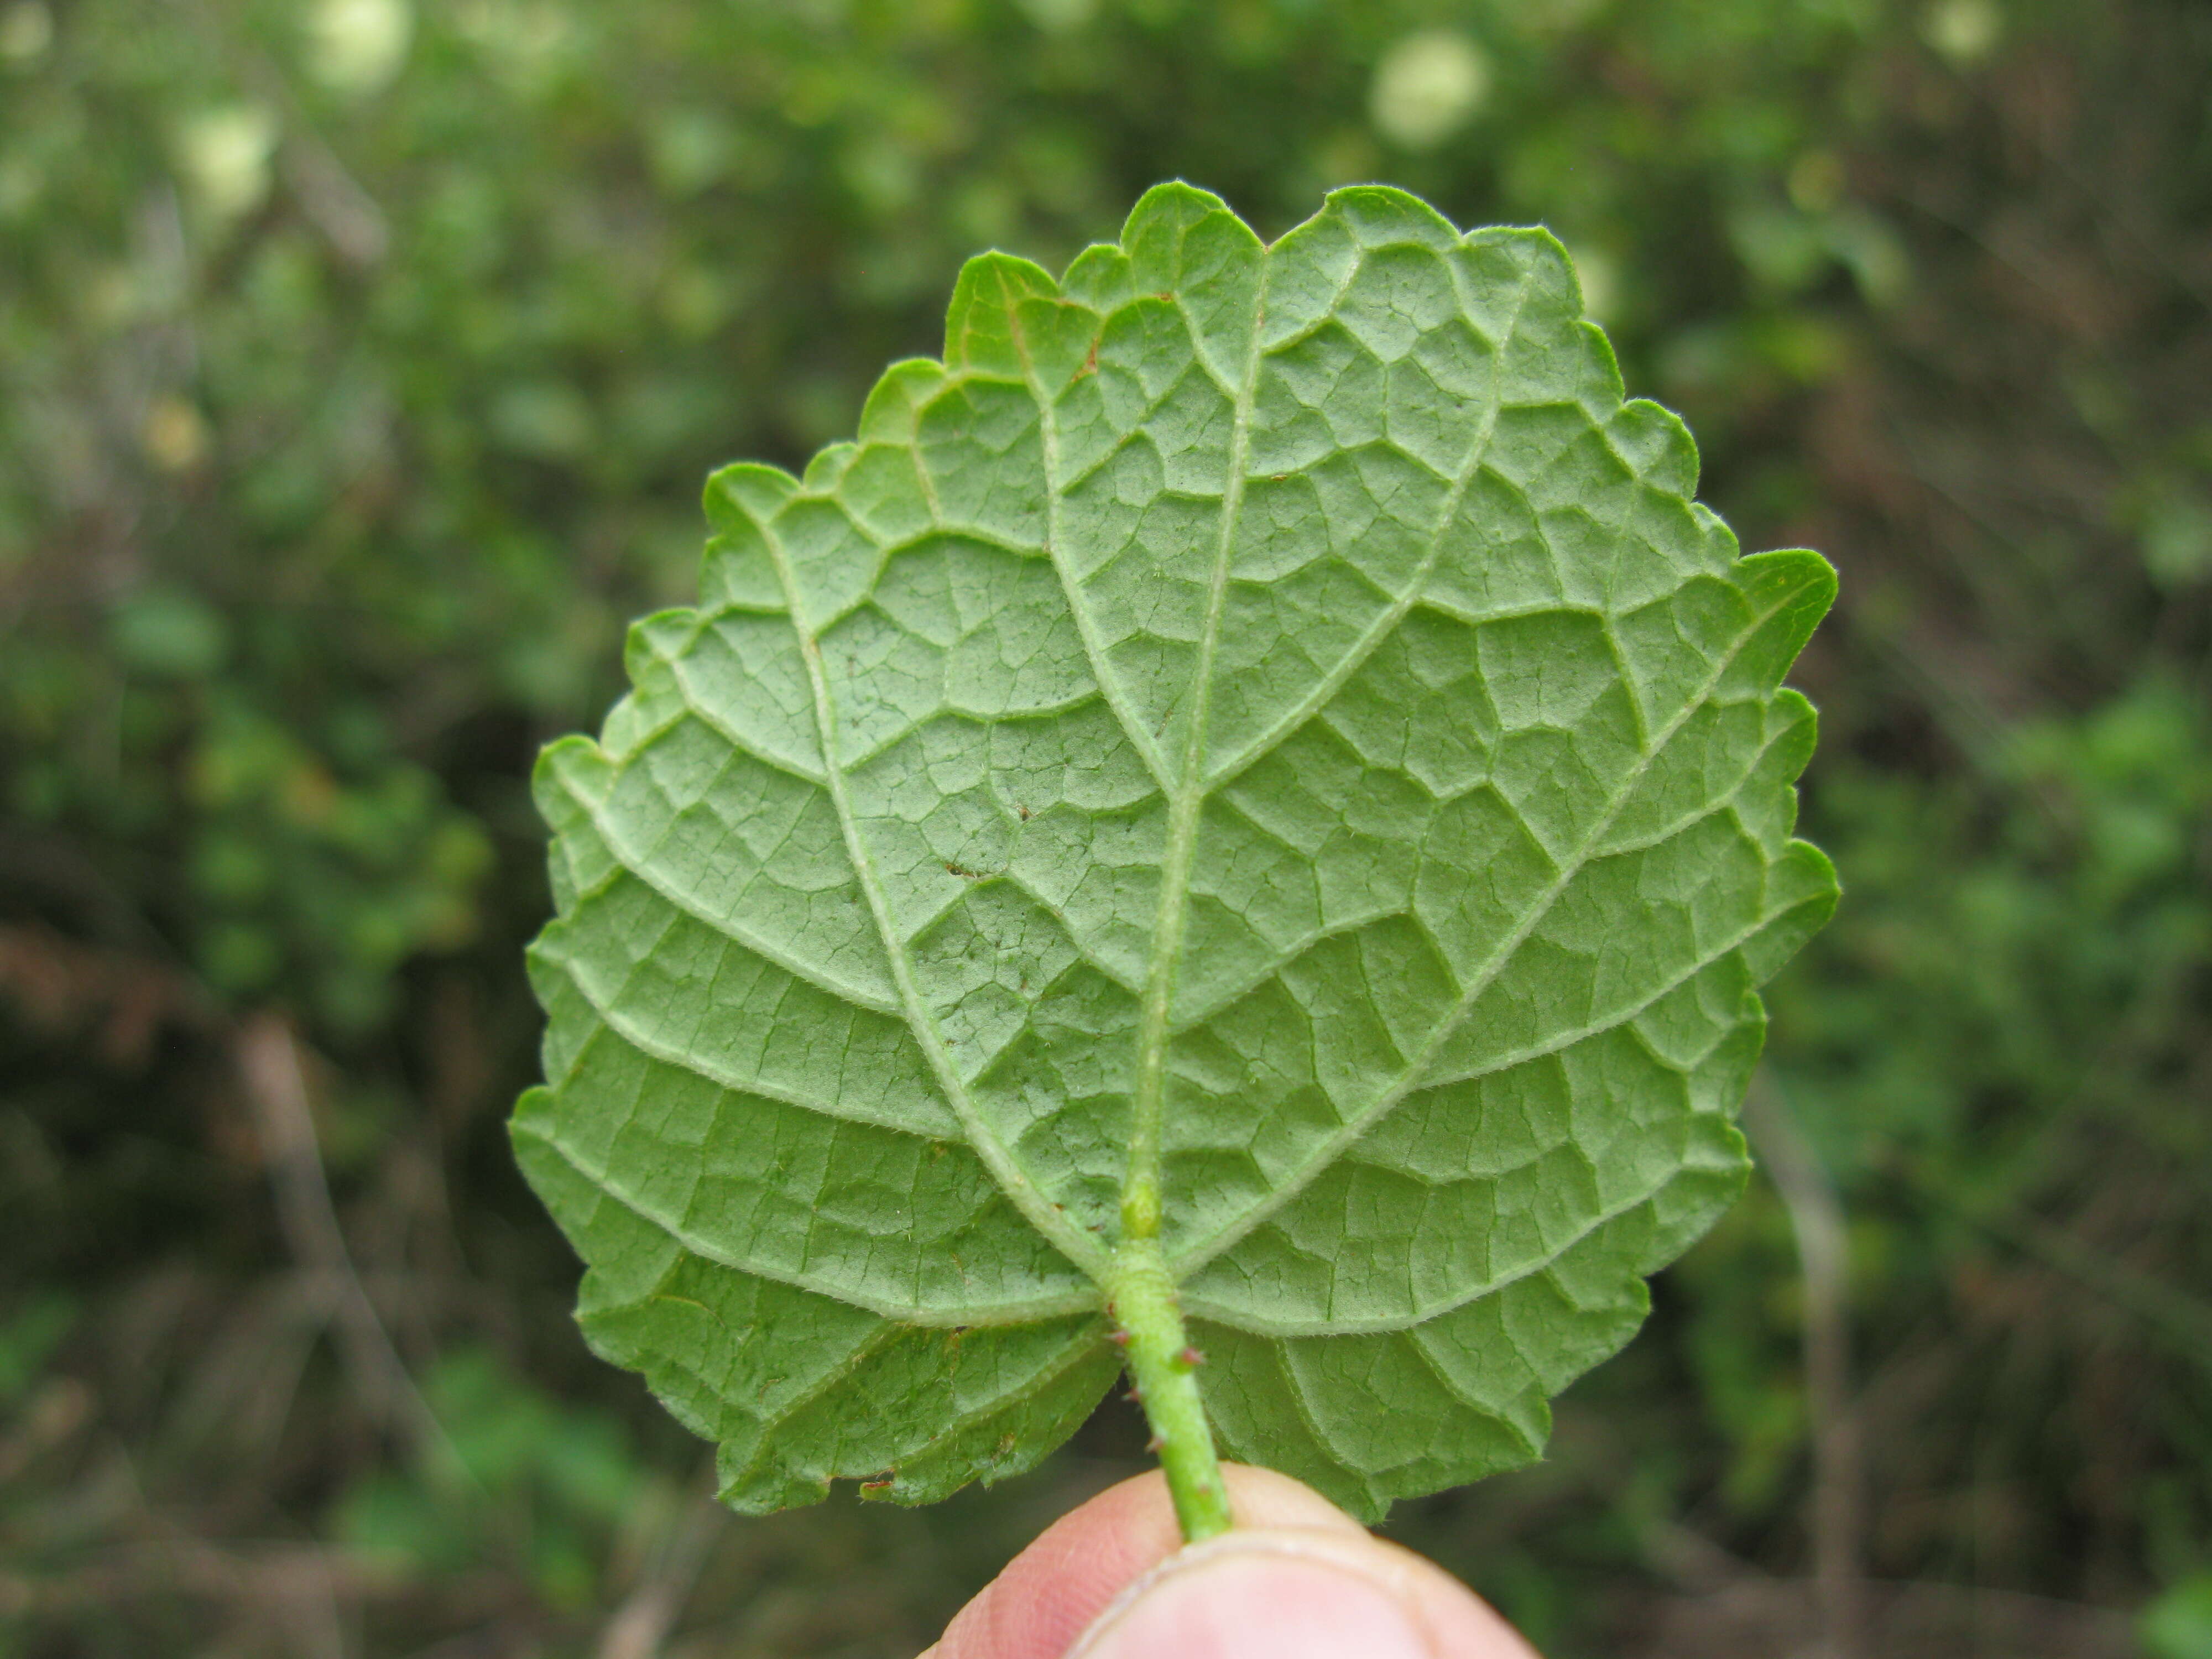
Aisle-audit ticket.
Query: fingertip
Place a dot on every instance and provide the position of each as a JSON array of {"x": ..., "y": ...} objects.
[
  {"x": 1298, "y": 1594},
  {"x": 1048, "y": 1594}
]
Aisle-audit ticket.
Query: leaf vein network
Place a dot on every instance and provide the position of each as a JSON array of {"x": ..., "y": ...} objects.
[
  {"x": 1020, "y": 1186},
  {"x": 1388, "y": 1096}
]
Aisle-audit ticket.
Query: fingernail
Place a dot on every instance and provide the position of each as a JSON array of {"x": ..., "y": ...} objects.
[{"x": 1233, "y": 1601}]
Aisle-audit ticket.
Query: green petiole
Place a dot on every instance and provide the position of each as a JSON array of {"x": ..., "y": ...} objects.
[{"x": 1163, "y": 1369}]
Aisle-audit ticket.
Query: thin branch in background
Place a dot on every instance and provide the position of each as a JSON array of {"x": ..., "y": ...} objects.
[
  {"x": 242, "y": 1389},
  {"x": 332, "y": 199},
  {"x": 1816, "y": 1221},
  {"x": 643, "y": 1621},
  {"x": 312, "y": 1618},
  {"x": 282, "y": 1572},
  {"x": 347, "y": 215},
  {"x": 268, "y": 1058}
]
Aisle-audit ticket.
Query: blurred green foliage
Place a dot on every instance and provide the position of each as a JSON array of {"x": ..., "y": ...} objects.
[
  {"x": 360, "y": 361},
  {"x": 511, "y": 1452},
  {"x": 2179, "y": 1625}
]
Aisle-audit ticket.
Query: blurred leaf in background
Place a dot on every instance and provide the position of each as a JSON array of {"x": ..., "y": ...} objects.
[{"x": 360, "y": 363}]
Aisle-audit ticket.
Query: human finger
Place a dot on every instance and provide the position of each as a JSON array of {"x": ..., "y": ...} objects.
[{"x": 1054, "y": 1589}]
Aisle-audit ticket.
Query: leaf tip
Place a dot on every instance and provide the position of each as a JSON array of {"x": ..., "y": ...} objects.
[
  {"x": 981, "y": 330},
  {"x": 1375, "y": 214}
]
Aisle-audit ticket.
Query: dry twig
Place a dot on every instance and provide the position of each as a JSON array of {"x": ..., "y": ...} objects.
[
  {"x": 643, "y": 1621},
  {"x": 1816, "y": 1220},
  {"x": 268, "y": 1062}
]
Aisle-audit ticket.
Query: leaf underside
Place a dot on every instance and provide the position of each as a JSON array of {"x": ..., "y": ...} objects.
[{"x": 1309, "y": 637}]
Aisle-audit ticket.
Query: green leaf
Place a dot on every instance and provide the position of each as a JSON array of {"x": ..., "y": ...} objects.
[{"x": 1273, "y": 716}]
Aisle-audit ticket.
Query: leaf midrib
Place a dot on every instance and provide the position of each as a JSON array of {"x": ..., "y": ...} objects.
[
  {"x": 1185, "y": 791},
  {"x": 1187, "y": 796},
  {"x": 1386, "y": 620},
  {"x": 1149, "y": 1098},
  {"x": 1197, "y": 782}
]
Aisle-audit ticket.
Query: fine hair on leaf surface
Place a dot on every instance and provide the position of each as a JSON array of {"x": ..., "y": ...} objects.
[{"x": 1250, "y": 794}]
